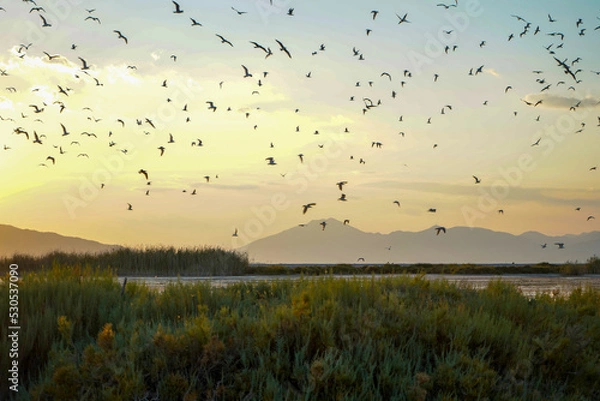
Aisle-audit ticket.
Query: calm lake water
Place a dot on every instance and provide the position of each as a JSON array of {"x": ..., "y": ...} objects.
[{"x": 530, "y": 284}]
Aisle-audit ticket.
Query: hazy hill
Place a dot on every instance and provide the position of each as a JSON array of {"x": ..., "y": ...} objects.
[
  {"x": 345, "y": 244},
  {"x": 16, "y": 240}
]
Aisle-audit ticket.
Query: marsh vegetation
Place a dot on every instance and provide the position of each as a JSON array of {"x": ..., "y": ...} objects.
[{"x": 354, "y": 339}]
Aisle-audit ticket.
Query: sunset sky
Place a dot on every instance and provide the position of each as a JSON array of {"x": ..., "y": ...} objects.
[{"x": 522, "y": 125}]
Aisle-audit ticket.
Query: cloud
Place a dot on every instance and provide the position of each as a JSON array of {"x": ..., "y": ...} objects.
[
  {"x": 562, "y": 102},
  {"x": 156, "y": 55},
  {"x": 492, "y": 72},
  {"x": 6, "y": 104}
]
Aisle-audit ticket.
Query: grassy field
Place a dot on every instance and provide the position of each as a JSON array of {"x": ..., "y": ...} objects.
[{"x": 396, "y": 338}]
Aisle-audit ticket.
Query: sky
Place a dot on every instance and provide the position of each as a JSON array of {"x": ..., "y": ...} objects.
[{"x": 472, "y": 88}]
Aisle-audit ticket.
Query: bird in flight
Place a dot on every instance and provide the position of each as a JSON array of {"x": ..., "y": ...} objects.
[
  {"x": 211, "y": 106},
  {"x": 238, "y": 11},
  {"x": 341, "y": 184},
  {"x": 45, "y": 23},
  {"x": 323, "y": 224},
  {"x": 129, "y": 207},
  {"x": 121, "y": 36},
  {"x": 307, "y": 206},
  {"x": 246, "y": 73},
  {"x": 93, "y": 19},
  {"x": 283, "y": 48},
  {"x": 144, "y": 172},
  {"x": 560, "y": 245},
  {"x": 85, "y": 64},
  {"x": 439, "y": 230},
  {"x": 235, "y": 233},
  {"x": 402, "y": 19},
  {"x": 178, "y": 9},
  {"x": 477, "y": 180},
  {"x": 223, "y": 40},
  {"x": 195, "y": 23}
]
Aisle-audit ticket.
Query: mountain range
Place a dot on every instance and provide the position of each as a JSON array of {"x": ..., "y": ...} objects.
[
  {"x": 339, "y": 243},
  {"x": 15, "y": 240}
]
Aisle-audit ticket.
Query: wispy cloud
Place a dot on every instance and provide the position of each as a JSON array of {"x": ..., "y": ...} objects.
[
  {"x": 493, "y": 72},
  {"x": 562, "y": 102}
]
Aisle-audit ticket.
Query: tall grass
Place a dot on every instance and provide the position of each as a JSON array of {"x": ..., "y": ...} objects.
[
  {"x": 357, "y": 339},
  {"x": 149, "y": 261}
]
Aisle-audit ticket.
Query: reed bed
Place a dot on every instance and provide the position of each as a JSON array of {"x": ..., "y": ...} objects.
[
  {"x": 144, "y": 261},
  {"x": 396, "y": 338},
  {"x": 591, "y": 266}
]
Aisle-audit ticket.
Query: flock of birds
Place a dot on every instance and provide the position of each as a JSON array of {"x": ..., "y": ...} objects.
[{"x": 28, "y": 124}]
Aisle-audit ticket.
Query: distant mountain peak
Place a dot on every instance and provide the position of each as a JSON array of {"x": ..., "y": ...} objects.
[{"x": 339, "y": 243}]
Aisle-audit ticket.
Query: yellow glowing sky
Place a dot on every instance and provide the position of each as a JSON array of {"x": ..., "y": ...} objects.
[{"x": 430, "y": 165}]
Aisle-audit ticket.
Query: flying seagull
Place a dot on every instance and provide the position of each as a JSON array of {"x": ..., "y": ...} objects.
[
  {"x": 121, "y": 36},
  {"x": 341, "y": 184},
  {"x": 438, "y": 230},
  {"x": 178, "y": 9},
  {"x": 223, "y": 40},
  {"x": 45, "y": 24},
  {"x": 246, "y": 72},
  {"x": 283, "y": 48},
  {"x": 307, "y": 206},
  {"x": 402, "y": 19},
  {"x": 144, "y": 172},
  {"x": 85, "y": 64},
  {"x": 238, "y": 11}
]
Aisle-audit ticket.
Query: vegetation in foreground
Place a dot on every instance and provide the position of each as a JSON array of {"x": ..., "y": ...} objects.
[
  {"x": 211, "y": 261},
  {"x": 397, "y": 338}
]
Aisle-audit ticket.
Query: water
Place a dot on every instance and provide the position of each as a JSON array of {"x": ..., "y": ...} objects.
[{"x": 529, "y": 284}]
